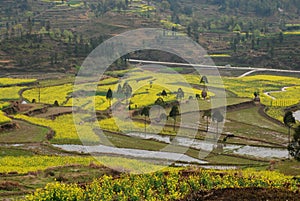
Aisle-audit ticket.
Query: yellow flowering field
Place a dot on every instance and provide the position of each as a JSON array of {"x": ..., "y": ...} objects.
[
  {"x": 3, "y": 118},
  {"x": 108, "y": 81},
  {"x": 99, "y": 102},
  {"x": 10, "y": 93},
  {"x": 273, "y": 78},
  {"x": 171, "y": 185},
  {"x": 280, "y": 102},
  {"x": 65, "y": 130},
  {"x": 291, "y": 33},
  {"x": 276, "y": 112},
  {"x": 145, "y": 89},
  {"x": 13, "y": 81},
  {"x": 60, "y": 93},
  {"x": 49, "y": 94},
  {"x": 147, "y": 96},
  {"x": 4, "y": 104},
  {"x": 25, "y": 164},
  {"x": 116, "y": 124},
  {"x": 218, "y": 55},
  {"x": 290, "y": 92},
  {"x": 246, "y": 86}
]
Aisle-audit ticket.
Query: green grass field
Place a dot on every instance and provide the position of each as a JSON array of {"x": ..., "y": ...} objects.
[
  {"x": 33, "y": 134},
  {"x": 251, "y": 116}
]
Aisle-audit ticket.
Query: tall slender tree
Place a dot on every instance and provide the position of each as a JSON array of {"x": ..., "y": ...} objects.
[
  {"x": 164, "y": 93},
  {"x": 127, "y": 90},
  {"x": 204, "y": 80},
  {"x": 218, "y": 117},
  {"x": 180, "y": 94},
  {"x": 204, "y": 94},
  {"x": 119, "y": 90},
  {"x": 160, "y": 102},
  {"x": 207, "y": 115},
  {"x": 145, "y": 112},
  {"x": 109, "y": 96},
  {"x": 173, "y": 114},
  {"x": 289, "y": 120}
]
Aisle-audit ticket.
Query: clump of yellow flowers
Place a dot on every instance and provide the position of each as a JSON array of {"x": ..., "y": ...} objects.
[{"x": 163, "y": 185}]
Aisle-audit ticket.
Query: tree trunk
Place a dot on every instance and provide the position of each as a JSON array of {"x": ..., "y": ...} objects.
[
  {"x": 174, "y": 123},
  {"x": 289, "y": 133},
  {"x": 206, "y": 124},
  {"x": 145, "y": 124}
]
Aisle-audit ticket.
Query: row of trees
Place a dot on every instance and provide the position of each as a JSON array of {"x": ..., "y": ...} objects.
[
  {"x": 216, "y": 116},
  {"x": 174, "y": 113},
  {"x": 126, "y": 92}
]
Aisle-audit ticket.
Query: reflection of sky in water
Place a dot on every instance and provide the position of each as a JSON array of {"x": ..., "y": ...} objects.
[
  {"x": 182, "y": 141},
  {"x": 262, "y": 152},
  {"x": 130, "y": 152},
  {"x": 297, "y": 115}
]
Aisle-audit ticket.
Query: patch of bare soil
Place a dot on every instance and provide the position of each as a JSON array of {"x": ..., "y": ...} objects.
[{"x": 245, "y": 194}]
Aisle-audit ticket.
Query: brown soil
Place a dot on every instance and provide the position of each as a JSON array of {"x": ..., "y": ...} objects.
[{"x": 236, "y": 194}]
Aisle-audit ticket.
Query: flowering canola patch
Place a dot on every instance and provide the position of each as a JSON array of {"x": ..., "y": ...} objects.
[{"x": 168, "y": 185}]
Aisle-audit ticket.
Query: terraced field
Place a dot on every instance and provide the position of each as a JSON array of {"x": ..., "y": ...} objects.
[
  {"x": 255, "y": 139},
  {"x": 148, "y": 132}
]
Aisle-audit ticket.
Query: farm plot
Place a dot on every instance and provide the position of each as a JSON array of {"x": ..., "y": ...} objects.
[
  {"x": 49, "y": 94},
  {"x": 15, "y": 81},
  {"x": 288, "y": 93},
  {"x": 10, "y": 93},
  {"x": 65, "y": 131}
]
